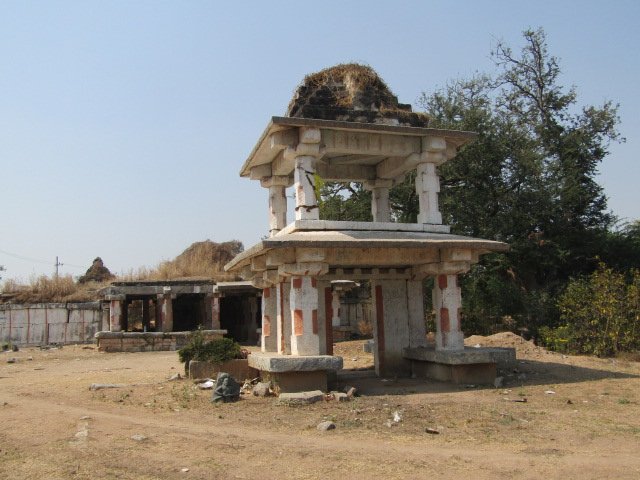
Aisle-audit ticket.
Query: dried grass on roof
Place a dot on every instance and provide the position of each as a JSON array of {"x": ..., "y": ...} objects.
[{"x": 351, "y": 92}]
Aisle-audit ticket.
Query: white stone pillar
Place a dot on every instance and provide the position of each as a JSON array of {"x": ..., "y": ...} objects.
[
  {"x": 447, "y": 302},
  {"x": 427, "y": 188},
  {"x": 335, "y": 308},
  {"x": 269, "y": 340},
  {"x": 380, "y": 208},
  {"x": 283, "y": 316},
  {"x": 303, "y": 181},
  {"x": 115, "y": 315},
  {"x": 277, "y": 202},
  {"x": 304, "y": 315}
]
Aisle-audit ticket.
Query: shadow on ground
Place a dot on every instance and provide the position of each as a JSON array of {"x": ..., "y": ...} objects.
[{"x": 526, "y": 373}]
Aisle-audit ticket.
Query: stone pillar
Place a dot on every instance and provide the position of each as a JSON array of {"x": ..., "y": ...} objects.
[
  {"x": 166, "y": 311},
  {"x": 283, "y": 316},
  {"x": 269, "y": 340},
  {"x": 427, "y": 188},
  {"x": 335, "y": 308},
  {"x": 447, "y": 302},
  {"x": 215, "y": 312},
  {"x": 380, "y": 208},
  {"x": 303, "y": 181},
  {"x": 253, "y": 321},
  {"x": 115, "y": 315},
  {"x": 305, "y": 339},
  {"x": 277, "y": 202},
  {"x": 145, "y": 315}
]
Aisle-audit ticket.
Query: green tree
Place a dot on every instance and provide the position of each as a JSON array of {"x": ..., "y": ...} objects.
[{"x": 528, "y": 179}]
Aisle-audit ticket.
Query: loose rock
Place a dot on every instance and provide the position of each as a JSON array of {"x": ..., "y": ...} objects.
[
  {"x": 498, "y": 382},
  {"x": 102, "y": 386},
  {"x": 138, "y": 438},
  {"x": 262, "y": 389},
  {"x": 327, "y": 425},
  {"x": 174, "y": 377},
  {"x": 431, "y": 431},
  {"x": 301, "y": 398}
]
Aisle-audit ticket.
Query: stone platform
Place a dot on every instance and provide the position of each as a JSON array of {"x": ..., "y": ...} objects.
[
  {"x": 290, "y": 373},
  {"x": 471, "y": 365},
  {"x": 148, "y": 341}
]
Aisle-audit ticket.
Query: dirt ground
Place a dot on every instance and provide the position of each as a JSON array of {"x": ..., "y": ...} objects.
[{"x": 581, "y": 420}]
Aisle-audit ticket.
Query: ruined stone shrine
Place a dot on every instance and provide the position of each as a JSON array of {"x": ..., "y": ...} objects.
[{"x": 345, "y": 125}]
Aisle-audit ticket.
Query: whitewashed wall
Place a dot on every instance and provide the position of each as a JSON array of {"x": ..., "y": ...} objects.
[{"x": 46, "y": 323}]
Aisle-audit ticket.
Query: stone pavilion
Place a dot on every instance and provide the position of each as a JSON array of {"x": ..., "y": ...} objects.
[{"x": 344, "y": 124}]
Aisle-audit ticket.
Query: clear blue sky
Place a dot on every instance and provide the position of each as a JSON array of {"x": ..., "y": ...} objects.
[{"x": 123, "y": 124}]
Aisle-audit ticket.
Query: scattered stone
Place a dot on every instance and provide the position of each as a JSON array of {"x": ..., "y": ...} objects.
[
  {"x": 5, "y": 404},
  {"x": 262, "y": 389},
  {"x": 29, "y": 359},
  {"x": 12, "y": 360},
  {"x": 350, "y": 391},
  {"x": 397, "y": 417},
  {"x": 301, "y": 398},
  {"x": 85, "y": 417},
  {"x": 549, "y": 392},
  {"x": 184, "y": 470},
  {"x": 520, "y": 400},
  {"x": 327, "y": 425},
  {"x": 498, "y": 382},
  {"x": 340, "y": 397},
  {"x": 208, "y": 385},
  {"x": 432, "y": 431},
  {"x": 138, "y": 438},
  {"x": 174, "y": 377},
  {"x": 15, "y": 348},
  {"x": 569, "y": 402},
  {"x": 390, "y": 424},
  {"x": 102, "y": 386}
]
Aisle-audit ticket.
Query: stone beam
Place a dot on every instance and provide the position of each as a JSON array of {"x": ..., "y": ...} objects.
[
  {"x": 364, "y": 143},
  {"x": 260, "y": 171},
  {"x": 312, "y": 269},
  {"x": 353, "y": 173}
]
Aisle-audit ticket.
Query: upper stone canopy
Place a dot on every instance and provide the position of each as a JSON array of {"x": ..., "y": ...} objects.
[{"x": 354, "y": 93}]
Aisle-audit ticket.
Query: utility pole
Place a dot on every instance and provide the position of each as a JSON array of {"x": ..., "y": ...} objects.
[{"x": 58, "y": 264}]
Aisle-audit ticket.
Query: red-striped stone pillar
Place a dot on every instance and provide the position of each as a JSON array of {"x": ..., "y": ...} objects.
[
  {"x": 269, "y": 340},
  {"x": 447, "y": 302},
  {"x": 304, "y": 316},
  {"x": 115, "y": 315}
]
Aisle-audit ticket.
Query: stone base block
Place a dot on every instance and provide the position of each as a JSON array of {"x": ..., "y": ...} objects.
[
  {"x": 239, "y": 369},
  {"x": 289, "y": 382},
  {"x": 471, "y": 365},
  {"x": 291, "y": 373}
]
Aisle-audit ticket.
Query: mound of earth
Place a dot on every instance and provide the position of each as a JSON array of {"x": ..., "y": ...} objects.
[{"x": 506, "y": 340}]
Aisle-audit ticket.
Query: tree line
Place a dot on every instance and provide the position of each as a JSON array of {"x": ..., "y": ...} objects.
[{"x": 529, "y": 179}]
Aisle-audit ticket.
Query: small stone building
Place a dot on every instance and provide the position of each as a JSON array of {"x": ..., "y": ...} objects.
[{"x": 158, "y": 315}]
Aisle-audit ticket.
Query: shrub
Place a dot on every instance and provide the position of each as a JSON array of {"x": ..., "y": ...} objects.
[
  {"x": 216, "y": 351},
  {"x": 600, "y": 314}
]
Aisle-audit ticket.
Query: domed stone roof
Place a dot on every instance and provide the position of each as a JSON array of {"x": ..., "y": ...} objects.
[{"x": 354, "y": 93}]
